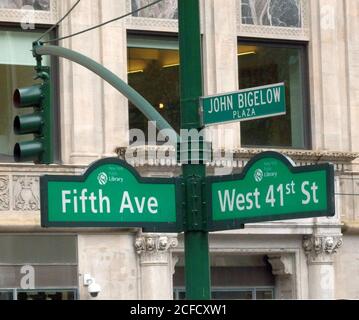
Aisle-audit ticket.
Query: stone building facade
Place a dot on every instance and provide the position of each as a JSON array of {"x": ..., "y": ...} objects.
[{"x": 300, "y": 259}]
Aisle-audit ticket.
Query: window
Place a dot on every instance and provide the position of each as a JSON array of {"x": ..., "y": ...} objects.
[
  {"x": 49, "y": 260},
  {"x": 277, "y": 13},
  {"x": 15, "y": 294},
  {"x": 6, "y": 295},
  {"x": 153, "y": 70},
  {"x": 262, "y": 63},
  {"x": 16, "y": 70},
  {"x": 18, "y": 4},
  {"x": 233, "y": 277},
  {"x": 58, "y": 295},
  {"x": 167, "y": 9},
  {"x": 232, "y": 293}
]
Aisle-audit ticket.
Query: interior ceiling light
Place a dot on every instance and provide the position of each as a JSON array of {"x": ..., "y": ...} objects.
[
  {"x": 135, "y": 71},
  {"x": 171, "y": 65},
  {"x": 246, "y": 53}
]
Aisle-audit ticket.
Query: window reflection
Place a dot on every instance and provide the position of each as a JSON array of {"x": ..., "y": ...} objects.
[
  {"x": 166, "y": 9},
  {"x": 154, "y": 73},
  {"x": 276, "y": 13},
  {"x": 264, "y": 64},
  {"x": 19, "y": 4}
]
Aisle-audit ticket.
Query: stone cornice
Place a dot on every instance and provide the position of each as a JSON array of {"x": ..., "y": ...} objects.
[
  {"x": 142, "y": 156},
  {"x": 239, "y": 156},
  {"x": 303, "y": 155}
]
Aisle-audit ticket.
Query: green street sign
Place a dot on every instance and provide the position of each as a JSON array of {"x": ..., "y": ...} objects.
[
  {"x": 270, "y": 188},
  {"x": 244, "y": 105},
  {"x": 111, "y": 194}
]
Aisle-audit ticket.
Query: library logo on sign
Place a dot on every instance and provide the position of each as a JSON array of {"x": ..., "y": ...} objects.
[
  {"x": 102, "y": 178},
  {"x": 258, "y": 175}
]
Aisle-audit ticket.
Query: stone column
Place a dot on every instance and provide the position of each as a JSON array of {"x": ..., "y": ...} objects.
[
  {"x": 283, "y": 268},
  {"x": 94, "y": 116},
  {"x": 156, "y": 265},
  {"x": 320, "y": 250},
  {"x": 221, "y": 63}
]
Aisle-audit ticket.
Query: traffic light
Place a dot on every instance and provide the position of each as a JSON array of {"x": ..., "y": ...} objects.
[{"x": 39, "y": 123}]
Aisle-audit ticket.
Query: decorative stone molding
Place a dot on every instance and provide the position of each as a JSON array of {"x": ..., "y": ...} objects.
[
  {"x": 154, "y": 243},
  {"x": 4, "y": 193},
  {"x": 282, "y": 264},
  {"x": 26, "y": 195},
  {"x": 150, "y": 155},
  {"x": 321, "y": 248},
  {"x": 154, "y": 248}
]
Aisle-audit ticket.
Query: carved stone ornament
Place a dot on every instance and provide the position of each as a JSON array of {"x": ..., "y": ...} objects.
[
  {"x": 154, "y": 244},
  {"x": 4, "y": 193},
  {"x": 26, "y": 193},
  {"x": 282, "y": 264},
  {"x": 316, "y": 247}
]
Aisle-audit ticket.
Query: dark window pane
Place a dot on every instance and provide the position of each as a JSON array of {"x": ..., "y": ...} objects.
[
  {"x": 264, "y": 295},
  {"x": 264, "y": 64},
  {"x": 6, "y": 295},
  {"x": 58, "y": 295},
  {"x": 232, "y": 295}
]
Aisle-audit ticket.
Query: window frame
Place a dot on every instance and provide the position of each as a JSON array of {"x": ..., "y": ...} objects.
[
  {"x": 147, "y": 35},
  {"x": 306, "y": 110},
  {"x": 16, "y": 291},
  {"x": 182, "y": 290},
  {"x": 55, "y": 81}
]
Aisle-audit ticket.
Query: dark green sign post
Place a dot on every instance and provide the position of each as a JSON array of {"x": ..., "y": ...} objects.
[{"x": 197, "y": 266}]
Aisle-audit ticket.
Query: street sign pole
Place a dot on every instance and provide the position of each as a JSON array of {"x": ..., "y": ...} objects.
[{"x": 197, "y": 267}]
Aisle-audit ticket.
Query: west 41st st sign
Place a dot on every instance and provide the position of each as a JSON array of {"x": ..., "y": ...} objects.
[{"x": 270, "y": 188}]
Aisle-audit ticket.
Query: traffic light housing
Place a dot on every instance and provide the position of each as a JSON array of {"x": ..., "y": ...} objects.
[{"x": 40, "y": 123}]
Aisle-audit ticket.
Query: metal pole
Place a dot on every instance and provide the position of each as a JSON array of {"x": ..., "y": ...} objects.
[{"x": 197, "y": 267}]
